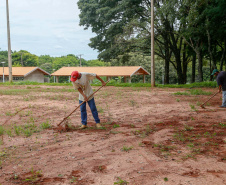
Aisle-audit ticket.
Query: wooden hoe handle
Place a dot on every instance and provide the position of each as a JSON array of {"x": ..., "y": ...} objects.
[
  {"x": 209, "y": 99},
  {"x": 81, "y": 104}
]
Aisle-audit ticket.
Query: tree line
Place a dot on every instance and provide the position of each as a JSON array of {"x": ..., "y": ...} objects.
[
  {"x": 190, "y": 36},
  {"x": 46, "y": 62}
]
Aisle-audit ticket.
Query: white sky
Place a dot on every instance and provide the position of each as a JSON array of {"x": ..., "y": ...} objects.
[{"x": 45, "y": 27}]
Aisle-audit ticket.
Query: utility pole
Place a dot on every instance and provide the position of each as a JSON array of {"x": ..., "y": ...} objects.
[
  {"x": 9, "y": 44},
  {"x": 3, "y": 79},
  {"x": 152, "y": 46},
  {"x": 80, "y": 60}
]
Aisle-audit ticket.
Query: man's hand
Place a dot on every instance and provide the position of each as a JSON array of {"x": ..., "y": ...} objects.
[
  {"x": 103, "y": 83},
  {"x": 81, "y": 92},
  {"x": 85, "y": 98},
  {"x": 220, "y": 88}
]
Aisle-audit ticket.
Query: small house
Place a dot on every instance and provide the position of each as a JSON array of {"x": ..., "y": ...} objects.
[{"x": 34, "y": 74}]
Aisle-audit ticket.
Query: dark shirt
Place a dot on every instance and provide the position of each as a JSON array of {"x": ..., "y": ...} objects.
[{"x": 221, "y": 80}]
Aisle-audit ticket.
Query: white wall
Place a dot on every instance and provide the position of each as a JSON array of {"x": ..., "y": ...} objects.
[{"x": 36, "y": 76}]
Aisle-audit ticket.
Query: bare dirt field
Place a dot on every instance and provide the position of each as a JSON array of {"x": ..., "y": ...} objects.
[{"x": 149, "y": 136}]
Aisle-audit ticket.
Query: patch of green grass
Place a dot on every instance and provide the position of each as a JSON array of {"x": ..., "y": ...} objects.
[
  {"x": 14, "y": 91},
  {"x": 1, "y": 130},
  {"x": 126, "y": 149},
  {"x": 121, "y": 182},
  {"x": 132, "y": 103},
  {"x": 116, "y": 125},
  {"x": 35, "y": 175},
  {"x": 100, "y": 109},
  {"x": 136, "y": 132},
  {"x": 206, "y": 134},
  {"x": 198, "y": 103},
  {"x": 9, "y": 114},
  {"x": 199, "y": 92},
  {"x": 132, "y": 125},
  {"x": 17, "y": 130},
  {"x": 73, "y": 179},
  {"x": 193, "y": 107},
  {"x": 193, "y": 92},
  {"x": 45, "y": 125},
  {"x": 165, "y": 179},
  {"x": 29, "y": 129},
  {"x": 181, "y": 137},
  {"x": 191, "y": 145},
  {"x": 222, "y": 125},
  {"x": 148, "y": 130},
  {"x": 210, "y": 84},
  {"x": 182, "y": 93},
  {"x": 9, "y": 132},
  {"x": 188, "y": 128},
  {"x": 190, "y": 155}
]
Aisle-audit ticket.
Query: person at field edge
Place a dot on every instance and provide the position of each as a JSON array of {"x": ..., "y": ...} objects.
[
  {"x": 221, "y": 82},
  {"x": 81, "y": 83}
]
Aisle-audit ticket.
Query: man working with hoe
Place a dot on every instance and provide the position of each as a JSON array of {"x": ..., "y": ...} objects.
[
  {"x": 81, "y": 83},
  {"x": 221, "y": 82}
]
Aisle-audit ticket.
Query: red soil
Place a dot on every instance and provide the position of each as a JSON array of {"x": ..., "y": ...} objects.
[{"x": 150, "y": 136}]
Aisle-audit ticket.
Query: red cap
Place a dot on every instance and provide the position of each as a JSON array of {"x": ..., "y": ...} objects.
[{"x": 74, "y": 76}]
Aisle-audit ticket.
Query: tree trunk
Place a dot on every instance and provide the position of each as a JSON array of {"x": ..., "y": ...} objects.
[
  {"x": 179, "y": 71},
  {"x": 167, "y": 57},
  {"x": 177, "y": 54},
  {"x": 200, "y": 72},
  {"x": 193, "y": 68},
  {"x": 212, "y": 61},
  {"x": 223, "y": 57},
  {"x": 185, "y": 65},
  {"x": 166, "y": 78}
]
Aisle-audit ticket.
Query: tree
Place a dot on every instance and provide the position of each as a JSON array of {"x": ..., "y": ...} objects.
[
  {"x": 44, "y": 59},
  {"x": 216, "y": 30},
  {"x": 24, "y": 58},
  {"x": 4, "y": 57},
  {"x": 118, "y": 25}
]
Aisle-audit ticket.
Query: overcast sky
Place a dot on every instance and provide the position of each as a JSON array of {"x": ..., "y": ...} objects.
[{"x": 45, "y": 27}]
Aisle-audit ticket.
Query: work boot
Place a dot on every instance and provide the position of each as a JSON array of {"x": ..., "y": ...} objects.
[
  {"x": 98, "y": 125},
  {"x": 83, "y": 127}
]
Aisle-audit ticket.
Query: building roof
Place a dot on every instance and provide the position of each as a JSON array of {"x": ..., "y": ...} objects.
[
  {"x": 21, "y": 71},
  {"x": 104, "y": 71}
]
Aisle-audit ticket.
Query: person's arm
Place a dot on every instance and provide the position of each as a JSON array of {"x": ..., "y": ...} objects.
[
  {"x": 103, "y": 82},
  {"x": 220, "y": 88},
  {"x": 81, "y": 92}
]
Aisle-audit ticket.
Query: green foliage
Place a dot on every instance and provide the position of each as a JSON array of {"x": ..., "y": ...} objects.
[
  {"x": 116, "y": 125},
  {"x": 45, "y": 125},
  {"x": 126, "y": 149},
  {"x": 165, "y": 179},
  {"x": 14, "y": 92},
  {"x": 111, "y": 20},
  {"x": 17, "y": 130},
  {"x": 1, "y": 130},
  {"x": 121, "y": 182},
  {"x": 193, "y": 92},
  {"x": 24, "y": 58},
  {"x": 183, "y": 28}
]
